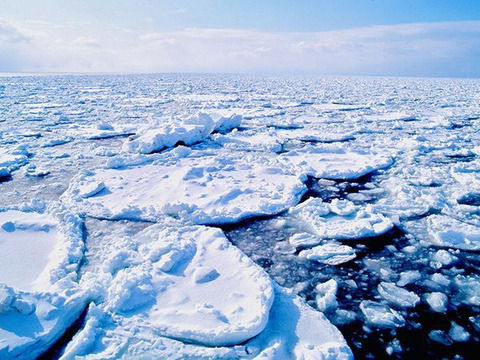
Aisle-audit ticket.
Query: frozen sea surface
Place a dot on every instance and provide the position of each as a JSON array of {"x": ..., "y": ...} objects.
[{"x": 229, "y": 216}]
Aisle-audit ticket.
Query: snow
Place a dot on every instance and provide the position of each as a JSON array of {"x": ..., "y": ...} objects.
[{"x": 216, "y": 189}]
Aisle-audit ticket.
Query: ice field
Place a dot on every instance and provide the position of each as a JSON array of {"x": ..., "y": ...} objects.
[{"x": 239, "y": 217}]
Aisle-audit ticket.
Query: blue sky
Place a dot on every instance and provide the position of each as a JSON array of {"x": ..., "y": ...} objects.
[{"x": 390, "y": 37}]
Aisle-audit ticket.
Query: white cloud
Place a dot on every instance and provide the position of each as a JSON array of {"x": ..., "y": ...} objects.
[
  {"x": 11, "y": 34},
  {"x": 426, "y": 49}
]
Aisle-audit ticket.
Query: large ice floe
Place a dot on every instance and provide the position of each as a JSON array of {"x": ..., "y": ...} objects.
[
  {"x": 40, "y": 252},
  {"x": 176, "y": 291},
  {"x": 200, "y": 187}
]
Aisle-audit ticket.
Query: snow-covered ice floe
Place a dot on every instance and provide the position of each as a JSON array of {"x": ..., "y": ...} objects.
[
  {"x": 201, "y": 188},
  {"x": 330, "y": 254},
  {"x": 40, "y": 251},
  {"x": 449, "y": 232},
  {"x": 167, "y": 133},
  {"x": 340, "y": 220},
  {"x": 176, "y": 291},
  {"x": 11, "y": 161},
  {"x": 338, "y": 163}
]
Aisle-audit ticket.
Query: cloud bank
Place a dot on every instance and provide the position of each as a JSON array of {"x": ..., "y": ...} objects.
[{"x": 422, "y": 49}]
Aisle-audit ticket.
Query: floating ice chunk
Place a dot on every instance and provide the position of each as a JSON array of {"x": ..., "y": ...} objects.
[
  {"x": 304, "y": 240},
  {"x": 40, "y": 298},
  {"x": 397, "y": 296},
  {"x": 167, "y": 134},
  {"x": 441, "y": 337},
  {"x": 457, "y": 333},
  {"x": 381, "y": 315},
  {"x": 342, "y": 317},
  {"x": 326, "y": 296},
  {"x": 105, "y": 130},
  {"x": 444, "y": 257},
  {"x": 468, "y": 289},
  {"x": 337, "y": 106},
  {"x": 404, "y": 201},
  {"x": 468, "y": 174},
  {"x": 359, "y": 224},
  {"x": 408, "y": 277},
  {"x": 438, "y": 301},
  {"x": 330, "y": 254},
  {"x": 338, "y": 164},
  {"x": 314, "y": 134},
  {"x": 216, "y": 189},
  {"x": 391, "y": 116},
  {"x": 33, "y": 170},
  {"x": 449, "y": 232}
]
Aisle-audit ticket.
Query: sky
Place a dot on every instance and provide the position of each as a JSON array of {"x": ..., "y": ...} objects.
[{"x": 431, "y": 38}]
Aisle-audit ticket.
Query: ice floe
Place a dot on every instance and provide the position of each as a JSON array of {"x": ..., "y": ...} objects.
[
  {"x": 325, "y": 220},
  {"x": 329, "y": 253},
  {"x": 338, "y": 163},
  {"x": 40, "y": 252},
  {"x": 167, "y": 133},
  {"x": 172, "y": 285},
  {"x": 381, "y": 315},
  {"x": 210, "y": 189},
  {"x": 449, "y": 232}
]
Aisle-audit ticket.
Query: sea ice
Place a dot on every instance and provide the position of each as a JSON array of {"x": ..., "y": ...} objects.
[
  {"x": 175, "y": 291},
  {"x": 325, "y": 222},
  {"x": 449, "y": 232},
  {"x": 326, "y": 296},
  {"x": 381, "y": 315},
  {"x": 398, "y": 296},
  {"x": 40, "y": 252},
  {"x": 338, "y": 163},
  {"x": 165, "y": 134},
  {"x": 201, "y": 188},
  {"x": 329, "y": 253},
  {"x": 438, "y": 301}
]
